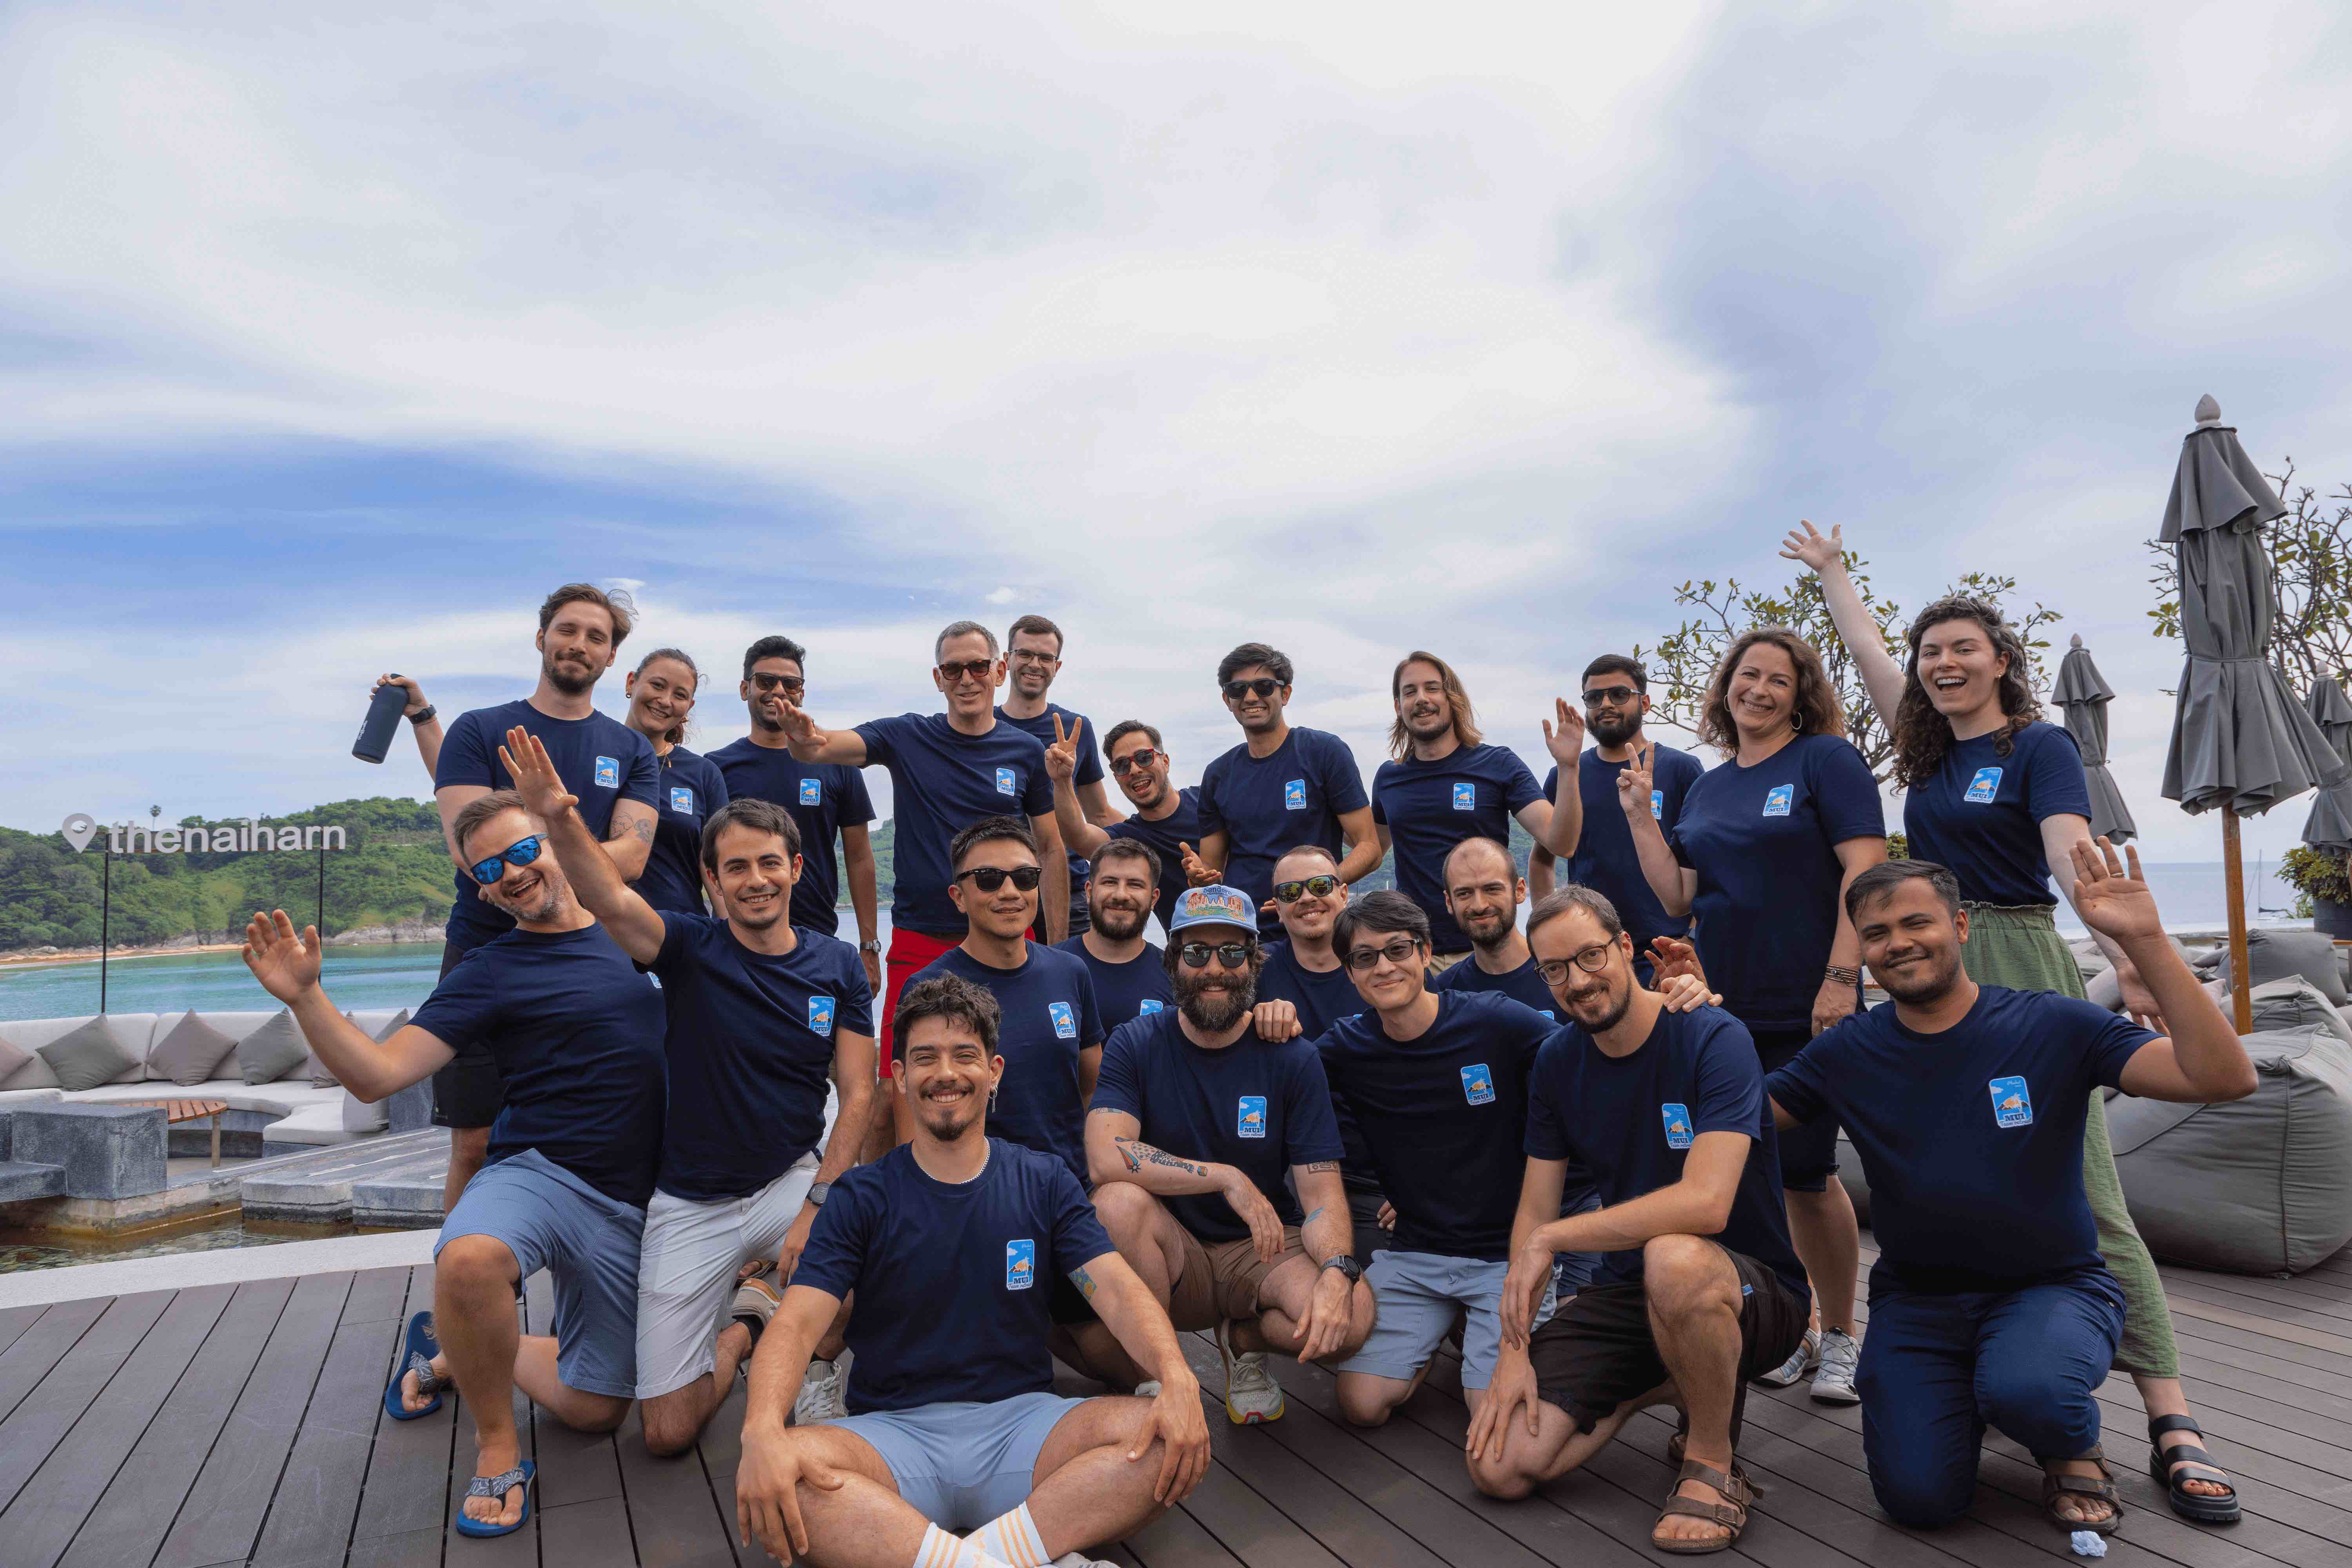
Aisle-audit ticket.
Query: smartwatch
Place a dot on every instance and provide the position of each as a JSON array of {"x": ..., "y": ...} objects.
[
  {"x": 818, "y": 1192},
  {"x": 422, "y": 715},
  {"x": 1345, "y": 1265}
]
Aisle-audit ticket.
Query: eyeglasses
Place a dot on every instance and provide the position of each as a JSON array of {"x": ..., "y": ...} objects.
[
  {"x": 1313, "y": 887},
  {"x": 1600, "y": 696},
  {"x": 1591, "y": 960},
  {"x": 1232, "y": 955},
  {"x": 1031, "y": 655},
  {"x": 1400, "y": 952},
  {"x": 521, "y": 852},
  {"x": 983, "y": 669},
  {"x": 1140, "y": 758},
  {"x": 989, "y": 879},
  {"x": 790, "y": 685},
  {"x": 1263, "y": 685}
]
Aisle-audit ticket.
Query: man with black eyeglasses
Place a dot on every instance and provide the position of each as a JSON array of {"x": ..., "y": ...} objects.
[
  {"x": 1166, "y": 820},
  {"x": 1195, "y": 1124},
  {"x": 1032, "y": 658},
  {"x": 1279, "y": 788}
]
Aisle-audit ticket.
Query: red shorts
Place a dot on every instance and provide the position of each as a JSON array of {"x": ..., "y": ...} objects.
[{"x": 911, "y": 953}]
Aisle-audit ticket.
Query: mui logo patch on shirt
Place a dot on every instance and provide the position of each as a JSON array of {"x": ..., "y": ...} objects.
[
  {"x": 1249, "y": 1121},
  {"x": 1984, "y": 787},
  {"x": 1294, "y": 795},
  {"x": 1466, "y": 797},
  {"x": 1150, "y": 1005},
  {"x": 1778, "y": 801},
  {"x": 1004, "y": 782},
  {"x": 608, "y": 773},
  {"x": 811, "y": 793},
  {"x": 681, "y": 800},
  {"x": 821, "y": 1015},
  {"x": 1658, "y": 805},
  {"x": 1678, "y": 1127},
  {"x": 1477, "y": 1084},
  {"x": 2012, "y": 1103},
  {"x": 1020, "y": 1264},
  {"x": 1066, "y": 1021}
]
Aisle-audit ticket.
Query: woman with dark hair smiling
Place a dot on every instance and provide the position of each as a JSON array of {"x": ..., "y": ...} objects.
[
  {"x": 690, "y": 787},
  {"x": 1998, "y": 797}
]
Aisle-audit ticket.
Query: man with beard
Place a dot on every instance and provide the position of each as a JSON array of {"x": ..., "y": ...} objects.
[
  {"x": 759, "y": 1016},
  {"x": 580, "y": 629},
  {"x": 1483, "y": 893},
  {"x": 576, "y": 1034},
  {"x": 1441, "y": 786},
  {"x": 1194, "y": 1126},
  {"x": 955, "y": 1425},
  {"x": 1280, "y": 787},
  {"x": 1166, "y": 820},
  {"x": 1032, "y": 658},
  {"x": 1122, "y": 879},
  {"x": 1988, "y": 1303},
  {"x": 1587, "y": 830},
  {"x": 1701, "y": 1289}
]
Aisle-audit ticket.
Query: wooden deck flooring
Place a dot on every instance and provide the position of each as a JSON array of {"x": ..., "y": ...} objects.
[{"x": 240, "y": 1424}]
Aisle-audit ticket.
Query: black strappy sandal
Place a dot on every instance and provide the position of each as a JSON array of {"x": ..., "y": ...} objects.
[
  {"x": 2055, "y": 1486},
  {"x": 2189, "y": 1462}
]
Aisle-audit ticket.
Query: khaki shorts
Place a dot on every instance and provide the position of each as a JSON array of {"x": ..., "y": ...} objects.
[{"x": 1221, "y": 1279}]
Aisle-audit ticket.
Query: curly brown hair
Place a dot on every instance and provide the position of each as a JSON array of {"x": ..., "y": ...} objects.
[
  {"x": 1818, "y": 710},
  {"x": 1922, "y": 735}
]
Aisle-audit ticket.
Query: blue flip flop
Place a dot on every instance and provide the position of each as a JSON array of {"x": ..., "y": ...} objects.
[
  {"x": 417, "y": 1355},
  {"x": 497, "y": 1487}
]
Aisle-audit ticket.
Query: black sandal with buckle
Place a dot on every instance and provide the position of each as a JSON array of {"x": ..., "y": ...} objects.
[
  {"x": 2055, "y": 1486},
  {"x": 2189, "y": 1462}
]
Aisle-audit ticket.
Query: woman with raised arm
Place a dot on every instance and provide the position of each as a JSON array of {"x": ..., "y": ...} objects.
[{"x": 1998, "y": 797}]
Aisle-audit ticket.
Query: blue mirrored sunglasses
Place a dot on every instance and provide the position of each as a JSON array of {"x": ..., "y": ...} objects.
[{"x": 521, "y": 852}]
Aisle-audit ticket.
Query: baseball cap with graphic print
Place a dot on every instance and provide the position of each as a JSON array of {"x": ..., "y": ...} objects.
[{"x": 1215, "y": 905}]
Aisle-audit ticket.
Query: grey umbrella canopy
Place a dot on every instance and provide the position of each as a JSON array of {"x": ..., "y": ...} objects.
[
  {"x": 2330, "y": 825},
  {"x": 2081, "y": 696},
  {"x": 2332, "y": 711}
]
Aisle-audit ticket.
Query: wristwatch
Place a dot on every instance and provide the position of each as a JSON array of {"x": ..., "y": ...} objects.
[
  {"x": 422, "y": 714},
  {"x": 1345, "y": 1265},
  {"x": 818, "y": 1192},
  {"x": 871, "y": 944}
]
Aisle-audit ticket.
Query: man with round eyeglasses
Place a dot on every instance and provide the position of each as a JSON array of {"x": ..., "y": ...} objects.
[
  {"x": 1032, "y": 658},
  {"x": 1166, "y": 820}
]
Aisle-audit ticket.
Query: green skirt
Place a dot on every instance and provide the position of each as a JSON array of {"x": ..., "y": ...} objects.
[{"x": 2019, "y": 947}]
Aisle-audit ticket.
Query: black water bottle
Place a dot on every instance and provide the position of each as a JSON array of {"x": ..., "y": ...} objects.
[{"x": 383, "y": 718}]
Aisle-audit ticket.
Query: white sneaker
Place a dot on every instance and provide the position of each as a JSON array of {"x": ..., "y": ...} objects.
[
  {"x": 1252, "y": 1396},
  {"x": 1148, "y": 1389},
  {"x": 1833, "y": 1384},
  {"x": 820, "y": 1396},
  {"x": 1808, "y": 1355}
]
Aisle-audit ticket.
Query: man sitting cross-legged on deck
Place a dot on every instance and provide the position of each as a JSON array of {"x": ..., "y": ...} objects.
[
  {"x": 954, "y": 1425},
  {"x": 1989, "y": 1303},
  {"x": 757, "y": 1013},
  {"x": 576, "y": 1033},
  {"x": 1701, "y": 1290},
  {"x": 1195, "y": 1121}
]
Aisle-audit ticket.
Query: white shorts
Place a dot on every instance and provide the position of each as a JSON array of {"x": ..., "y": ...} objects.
[{"x": 686, "y": 1279}]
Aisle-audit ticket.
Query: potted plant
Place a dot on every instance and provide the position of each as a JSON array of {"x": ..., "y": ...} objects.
[{"x": 2321, "y": 879}]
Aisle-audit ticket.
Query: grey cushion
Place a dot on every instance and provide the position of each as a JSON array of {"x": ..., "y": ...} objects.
[
  {"x": 190, "y": 1053},
  {"x": 86, "y": 1057},
  {"x": 12, "y": 1057},
  {"x": 2295, "y": 1003},
  {"x": 2276, "y": 954},
  {"x": 273, "y": 1050},
  {"x": 323, "y": 1076}
]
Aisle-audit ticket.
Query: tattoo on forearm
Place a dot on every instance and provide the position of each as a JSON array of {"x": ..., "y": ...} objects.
[
  {"x": 1310, "y": 1219},
  {"x": 1084, "y": 1281},
  {"x": 642, "y": 829},
  {"x": 1138, "y": 1154},
  {"x": 1321, "y": 1165}
]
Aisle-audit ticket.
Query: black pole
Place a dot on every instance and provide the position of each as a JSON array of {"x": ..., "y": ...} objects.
[{"x": 105, "y": 914}]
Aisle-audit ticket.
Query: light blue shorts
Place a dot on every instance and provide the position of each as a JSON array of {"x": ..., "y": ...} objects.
[
  {"x": 1418, "y": 1294},
  {"x": 962, "y": 1464},
  {"x": 550, "y": 1219}
]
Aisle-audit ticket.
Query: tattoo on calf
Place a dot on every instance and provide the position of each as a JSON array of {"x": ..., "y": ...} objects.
[{"x": 1140, "y": 1154}]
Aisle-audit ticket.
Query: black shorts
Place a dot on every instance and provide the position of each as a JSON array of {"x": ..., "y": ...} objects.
[
  {"x": 1364, "y": 1210},
  {"x": 1808, "y": 1150},
  {"x": 1597, "y": 1351},
  {"x": 469, "y": 1091}
]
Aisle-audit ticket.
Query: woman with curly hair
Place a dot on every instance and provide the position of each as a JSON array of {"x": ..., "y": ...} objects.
[
  {"x": 1761, "y": 853},
  {"x": 1998, "y": 797}
]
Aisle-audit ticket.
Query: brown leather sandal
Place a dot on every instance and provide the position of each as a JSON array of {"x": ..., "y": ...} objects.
[
  {"x": 1731, "y": 1513},
  {"x": 2054, "y": 1487}
]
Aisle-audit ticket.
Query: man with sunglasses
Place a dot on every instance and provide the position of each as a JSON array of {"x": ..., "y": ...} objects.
[
  {"x": 1195, "y": 1124},
  {"x": 1166, "y": 820},
  {"x": 1122, "y": 878},
  {"x": 1032, "y": 658},
  {"x": 1280, "y": 787}
]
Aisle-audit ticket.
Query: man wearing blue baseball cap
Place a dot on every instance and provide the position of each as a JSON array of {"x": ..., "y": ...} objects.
[{"x": 1189, "y": 1140}]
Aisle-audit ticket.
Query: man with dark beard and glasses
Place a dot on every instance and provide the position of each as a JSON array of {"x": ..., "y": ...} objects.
[
  {"x": 1166, "y": 820},
  {"x": 580, "y": 629},
  {"x": 1990, "y": 1304},
  {"x": 1195, "y": 1123},
  {"x": 1122, "y": 881}
]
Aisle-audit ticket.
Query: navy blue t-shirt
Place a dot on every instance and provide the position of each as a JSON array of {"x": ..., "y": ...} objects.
[
  {"x": 1605, "y": 859},
  {"x": 577, "y": 1033},
  {"x": 1049, "y": 1016},
  {"x": 691, "y": 789},
  {"x": 1323, "y": 997},
  {"x": 1972, "y": 1138},
  {"x": 751, "y": 1051},
  {"x": 1522, "y": 985},
  {"x": 600, "y": 760},
  {"x": 1089, "y": 771},
  {"x": 1258, "y": 1106},
  {"x": 824, "y": 798},
  {"x": 1980, "y": 816},
  {"x": 1124, "y": 991},
  {"x": 942, "y": 781},
  {"x": 1429, "y": 807},
  {"x": 1445, "y": 1116},
  {"x": 1267, "y": 808},
  {"x": 1630, "y": 1121},
  {"x": 952, "y": 1279},
  {"x": 1763, "y": 841},
  {"x": 1181, "y": 826}
]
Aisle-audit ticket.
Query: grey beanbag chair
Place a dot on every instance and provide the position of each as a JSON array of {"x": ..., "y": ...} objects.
[{"x": 2276, "y": 954}]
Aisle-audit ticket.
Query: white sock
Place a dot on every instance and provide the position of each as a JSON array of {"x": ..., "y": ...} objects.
[
  {"x": 940, "y": 1550},
  {"x": 1014, "y": 1538}
]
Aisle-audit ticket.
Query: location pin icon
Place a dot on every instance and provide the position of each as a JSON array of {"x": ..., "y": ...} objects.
[{"x": 80, "y": 829}]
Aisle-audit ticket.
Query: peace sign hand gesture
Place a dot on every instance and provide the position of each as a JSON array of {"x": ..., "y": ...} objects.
[
  {"x": 1062, "y": 756},
  {"x": 1566, "y": 742},
  {"x": 1635, "y": 783}
]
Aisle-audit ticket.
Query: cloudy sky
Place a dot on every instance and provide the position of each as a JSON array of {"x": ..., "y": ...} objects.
[{"x": 327, "y": 346}]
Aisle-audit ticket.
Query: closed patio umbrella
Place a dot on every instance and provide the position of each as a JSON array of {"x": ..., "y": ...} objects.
[
  {"x": 2330, "y": 828},
  {"x": 2332, "y": 711},
  {"x": 2081, "y": 696}
]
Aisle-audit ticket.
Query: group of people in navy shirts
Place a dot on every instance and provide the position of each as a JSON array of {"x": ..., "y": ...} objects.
[{"x": 1595, "y": 1138}]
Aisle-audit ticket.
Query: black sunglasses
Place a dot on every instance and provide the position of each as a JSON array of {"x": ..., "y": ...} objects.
[
  {"x": 1315, "y": 886},
  {"x": 1232, "y": 955},
  {"x": 790, "y": 685},
  {"x": 989, "y": 879},
  {"x": 1399, "y": 952},
  {"x": 1600, "y": 695},
  {"x": 1263, "y": 685},
  {"x": 1141, "y": 757},
  {"x": 978, "y": 669}
]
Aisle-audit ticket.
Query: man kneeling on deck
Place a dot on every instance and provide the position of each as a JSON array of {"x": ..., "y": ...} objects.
[
  {"x": 953, "y": 1423},
  {"x": 1701, "y": 1290},
  {"x": 1988, "y": 1303},
  {"x": 577, "y": 1033}
]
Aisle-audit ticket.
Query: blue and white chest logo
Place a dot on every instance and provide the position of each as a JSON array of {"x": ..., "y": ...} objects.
[
  {"x": 681, "y": 800},
  {"x": 1678, "y": 1127},
  {"x": 821, "y": 1015},
  {"x": 1005, "y": 783},
  {"x": 2012, "y": 1103},
  {"x": 1477, "y": 1084},
  {"x": 1020, "y": 1264},
  {"x": 1658, "y": 805},
  {"x": 1984, "y": 787},
  {"x": 1294, "y": 795},
  {"x": 1780, "y": 799},
  {"x": 812, "y": 791},
  {"x": 1547, "y": 1013},
  {"x": 1466, "y": 797},
  {"x": 608, "y": 773},
  {"x": 1150, "y": 1005},
  {"x": 1066, "y": 1020},
  {"x": 1249, "y": 1121}
]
